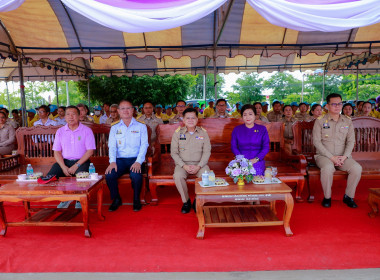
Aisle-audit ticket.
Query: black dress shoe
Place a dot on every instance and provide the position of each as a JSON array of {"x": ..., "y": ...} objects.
[
  {"x": 115, "y": 204},
  {"x": 326, "y": 202},
  {"x": 349, "y": 201},
  {"x": 137, "y": 206},
  {"x": 195, "y": 205},
  {"x": 186, "y": 207}
]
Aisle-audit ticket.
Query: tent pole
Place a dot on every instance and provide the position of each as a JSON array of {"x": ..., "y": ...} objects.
[
  {"x": 215, "y": 81},
  {"x": 204, "y": 89},
  {"x": 56, "y": 85},
  {"x": 22, "y": 93},
  {"x": 357, "y": 82},
  {"x": 303, "y": 77},
  {"x": 67, "y": 94},
  {"x": 323, "y": 86},
  {"x": 88, "y": 93},
  {"x": 9, "y": 102}
]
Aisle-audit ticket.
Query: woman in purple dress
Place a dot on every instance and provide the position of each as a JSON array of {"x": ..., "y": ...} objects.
[{"x": 250, "y": 139}]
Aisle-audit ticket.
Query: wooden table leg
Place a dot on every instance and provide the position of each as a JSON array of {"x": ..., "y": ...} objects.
[
  {"x": 153, "y": 193},
  {"x": 201, "y": 218},
  {"x": 27, "y": 209},
  {"x": 373, "y": 203},
  {"x": 100, "y": 202},
  {"x": 84, "y": 203},
  {"x": 289, "y": 204},
  {"x": 3, "y": 220}
]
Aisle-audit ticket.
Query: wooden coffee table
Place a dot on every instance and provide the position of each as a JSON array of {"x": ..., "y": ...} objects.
[
  {"x": 66, "y": 188},
  {"x": 242, "y": 215}
]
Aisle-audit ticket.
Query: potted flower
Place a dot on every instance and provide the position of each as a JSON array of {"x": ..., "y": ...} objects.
[{"x": 241, "y": 169}]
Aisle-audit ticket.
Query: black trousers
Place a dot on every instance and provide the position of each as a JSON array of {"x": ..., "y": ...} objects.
[
  {"x": 57, "y": 170},
  {"x": 123, "y": 167}
]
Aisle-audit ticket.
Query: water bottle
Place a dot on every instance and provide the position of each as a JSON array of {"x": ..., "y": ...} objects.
[
  {"x": 211, "y": 178},
  {"x": 205, "y": 179},
  {"x": 91, "y": 168},
  {"x": 29, "y": 170}
]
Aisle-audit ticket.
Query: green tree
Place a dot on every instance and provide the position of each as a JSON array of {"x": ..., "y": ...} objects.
[
  {"x": 196, "y": 89},
  {"x": 248, "y": 89},
  {"x": 163, "y": 90},
  {"x": 368, "y": 86},
  {"x": 313, "y": 86},
  {"x": 282, "y": 84},
  {"x": 75, "y": 96}
]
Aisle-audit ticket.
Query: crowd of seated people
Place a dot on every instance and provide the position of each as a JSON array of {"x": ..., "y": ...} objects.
[{"x": 128, "y": 139}]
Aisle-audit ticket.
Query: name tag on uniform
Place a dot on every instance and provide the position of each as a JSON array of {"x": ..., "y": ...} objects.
[
  {"x": 135, "y": 131},
  {"x": 182, "y": 137},
  {"x": 199, "y": 137},
  {"x": 346, "y": 126},
  {"x": 326, "y": 125}
]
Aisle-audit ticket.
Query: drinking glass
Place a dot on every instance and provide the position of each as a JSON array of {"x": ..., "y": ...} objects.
[{"x": 274, "y": 172}]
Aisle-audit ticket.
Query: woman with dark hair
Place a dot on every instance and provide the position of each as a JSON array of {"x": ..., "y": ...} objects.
[
  {"x": 288, "y": 120},
  {"x": 250, "y": 139},
  {"x": 7, "y": 136},
  {"x": 315, "y": 112},
  {"x": 260, "y": 119},
  {"x": 348, "y": 110}
]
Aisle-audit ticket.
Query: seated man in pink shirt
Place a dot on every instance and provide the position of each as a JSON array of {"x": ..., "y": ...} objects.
[{"x": 73, "y": 146}]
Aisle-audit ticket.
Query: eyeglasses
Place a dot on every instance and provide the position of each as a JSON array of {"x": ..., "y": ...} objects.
[
  {"x": 336, "y": 104},
  {"x": 125, "y": 108},
  {"x": 181, "y": 106}
]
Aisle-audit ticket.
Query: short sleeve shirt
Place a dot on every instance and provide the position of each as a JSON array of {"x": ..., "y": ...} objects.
[{"x": 74, "y": 144}]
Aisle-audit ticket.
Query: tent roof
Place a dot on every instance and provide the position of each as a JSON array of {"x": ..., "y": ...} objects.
[{"x": 236, "y": 35}]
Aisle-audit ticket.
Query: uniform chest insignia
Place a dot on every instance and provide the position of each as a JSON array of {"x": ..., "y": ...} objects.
[
  {"x": 135, "y": 131},
  {"x": 78, "y": 138},
  {"x": 199, "y": 137},
  {"x": 326, "y": 135},
  {"x": 326, "y": 125},
  {"x": 345, "y": 126},
  {"x": 119, "y": 131},
  {"x": 182, "y": 137},
  {"x": 119, "y": 142}
]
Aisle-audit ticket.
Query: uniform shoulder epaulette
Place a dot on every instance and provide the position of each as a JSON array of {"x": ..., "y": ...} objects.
[
  {"x": 140, "y": 121},
  {"x": 348, "y": 117},
  {"x": 320, "y": 117},
  {"x": 203, "y": 129},
  {"x": 178, "y": 129},
  {"x": 115, "y": 123}
]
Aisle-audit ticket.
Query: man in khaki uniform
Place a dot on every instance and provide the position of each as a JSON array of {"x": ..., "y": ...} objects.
[
  {"x": 276, "y": 114},
  {"x": 190, "y": 150},
  {"x": 150, "y": 119},
  {"x": 221, "y": 110},
  {"x": 334, "y": 139},
  {"x": 114, "y": 115},
  {"x": 302, "y": 115}
]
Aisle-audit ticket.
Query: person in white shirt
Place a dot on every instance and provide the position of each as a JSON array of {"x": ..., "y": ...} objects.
[
  {"x": 107, "y": 114},
  {"x": 60, "y": 119},
  {"x": 43, "y": 112}
]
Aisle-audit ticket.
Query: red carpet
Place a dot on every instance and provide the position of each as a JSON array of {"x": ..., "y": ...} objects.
[{"x": 162, "y": 239}]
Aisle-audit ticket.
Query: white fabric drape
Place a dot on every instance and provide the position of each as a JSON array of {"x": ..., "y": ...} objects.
[
  {"x": 9, "y": 5},
  {"x": 143, "y": 20},
  {"x": 319, "y": 17}
]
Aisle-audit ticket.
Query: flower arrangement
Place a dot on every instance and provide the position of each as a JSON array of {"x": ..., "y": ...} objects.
[{"x": 240, "y": 168}]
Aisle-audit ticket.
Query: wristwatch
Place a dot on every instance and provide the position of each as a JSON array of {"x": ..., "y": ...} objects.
[{"x": 78, "y": 164}]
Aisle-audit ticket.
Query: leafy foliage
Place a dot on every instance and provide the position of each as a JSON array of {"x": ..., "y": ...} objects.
[{"x": 247, "y": 90}]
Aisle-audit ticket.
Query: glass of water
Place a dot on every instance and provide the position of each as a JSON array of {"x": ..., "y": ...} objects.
[{"x": 274, "y": 172}]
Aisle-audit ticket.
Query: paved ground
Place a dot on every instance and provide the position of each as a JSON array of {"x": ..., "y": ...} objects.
[{"x": 357, "y": 274}]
